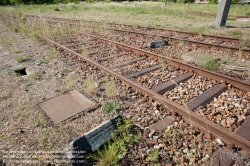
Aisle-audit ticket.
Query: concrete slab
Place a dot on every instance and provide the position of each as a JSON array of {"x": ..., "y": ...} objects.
[{"x": 66, "y": 105}]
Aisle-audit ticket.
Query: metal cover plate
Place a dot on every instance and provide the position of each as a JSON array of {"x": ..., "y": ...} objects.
[{"x": 66, "y": 105}]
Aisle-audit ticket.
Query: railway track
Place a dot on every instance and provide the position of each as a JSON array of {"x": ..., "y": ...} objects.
[
  {"x": 189, "y": 52},
  {"x": 198, "y": 39},
  {"x": 183, "y": 88}
]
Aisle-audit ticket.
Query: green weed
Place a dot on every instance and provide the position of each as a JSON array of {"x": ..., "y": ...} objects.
[
  {"x": 90, "y": 85},
  {"x": 116, "y": 149},
  {"x": 199, "y": 30},
  {"x": 111, "y": 89},
  {"x": 154, "y": 155},
  {"x": 17, "y": 51},
  {"x": 36, "y": 75},
  {"x": 42, "y": 61},
  {"x": 112, "y": 107},
  {"x": 53, "y": 53},
  {"x": 22, "y": 59},
  {"x": 85, "y": 52},
  {"x": 236, "y": 34},
  {"x": 207, "y": 62}
]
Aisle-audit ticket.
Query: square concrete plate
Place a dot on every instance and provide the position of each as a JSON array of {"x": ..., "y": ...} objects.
[{"x": 62, "y": 107}]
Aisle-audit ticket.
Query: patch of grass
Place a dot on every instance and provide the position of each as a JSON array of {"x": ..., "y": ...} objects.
[
  {"x": 42, "y": 61},
  {"x": 57, "y": 9},
  {"x": 236, "y": 34},
  {"x": 90, "y": 85},
  {"x": 163, "y": 67},
  {"x": 199, "y": 30},
  {"x": 112, "y": 107},
  {"x": 232, "y": 19},
  {"x": 22, "y": 59},
  {"x": 13, "y": 73},
  {"x": 17, "y": 51},
  {"x": 207, "y": 62},
  {"x": 85, "y": 52},
  {"x": 154, "y": 155},
  {"x": 111, "y": 89},
  {"x": 36, "y": 75},
  {"x": 69, "y": 82},
  {"x": 245, "y": 43},
  {"x": 248, "y": 14},
  {"x": 53, "y": 53},
  {"x": 116, "y": 149}
]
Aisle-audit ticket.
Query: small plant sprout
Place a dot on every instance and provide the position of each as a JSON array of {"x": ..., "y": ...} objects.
[
  {"x": 111, "y": 107},
  {"x": 163, "y": 67},
  {"x": 111, "y": 89},
  {"x": 85, "y": 52},
  {"x": 18, "y": 51},
  {"x": 22, "y": 59},
  {"x": 69, "y": 82},
  {"x": 90, "y": 85},
  {"x": 53, "y": 53},
  {"x": 36, "y": 75},
  {"x": 154, "y": 155},
  {"x": 42, "y": 61}
]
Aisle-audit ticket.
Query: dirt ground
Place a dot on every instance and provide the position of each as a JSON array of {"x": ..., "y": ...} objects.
[{"x": 49, "y": 74}]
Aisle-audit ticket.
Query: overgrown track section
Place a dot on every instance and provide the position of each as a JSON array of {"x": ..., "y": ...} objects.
[
  {"x": 202, "y": 40},
  {"x": 136, "y": 68}
]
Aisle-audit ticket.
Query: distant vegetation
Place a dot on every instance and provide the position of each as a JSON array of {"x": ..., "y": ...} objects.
[
  {"x": 182, "y": 1},
  {"x": 29, "y": 2}
]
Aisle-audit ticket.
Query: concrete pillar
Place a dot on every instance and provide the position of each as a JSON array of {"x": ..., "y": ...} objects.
[{"x": 222, "y": 13}]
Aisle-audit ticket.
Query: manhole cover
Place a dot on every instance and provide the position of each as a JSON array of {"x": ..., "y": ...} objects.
[{"x": 66, "y": 105}]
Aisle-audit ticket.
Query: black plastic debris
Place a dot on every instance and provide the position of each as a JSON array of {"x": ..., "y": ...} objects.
[{"x": 157, "y": 44}]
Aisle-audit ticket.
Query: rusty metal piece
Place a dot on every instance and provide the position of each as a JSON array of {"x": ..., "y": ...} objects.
[
  {"x": 111, "y": 56},
  {"x": 128, "y": 62},
  {"x": 244, "y": 130},
  {"x": 206, "y": 96},
  {"x": 66, "y": 105},
  {"x": 161, "y": 89},
  {"x": 144, "y": 71},
  {"x": 163, "y": 124}
]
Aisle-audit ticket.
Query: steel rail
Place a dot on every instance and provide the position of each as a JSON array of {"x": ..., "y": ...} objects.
[{"x": 190, "y": 116}]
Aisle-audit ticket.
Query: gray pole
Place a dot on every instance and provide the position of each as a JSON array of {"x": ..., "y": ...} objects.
[{"x": 222, "y": 13}]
